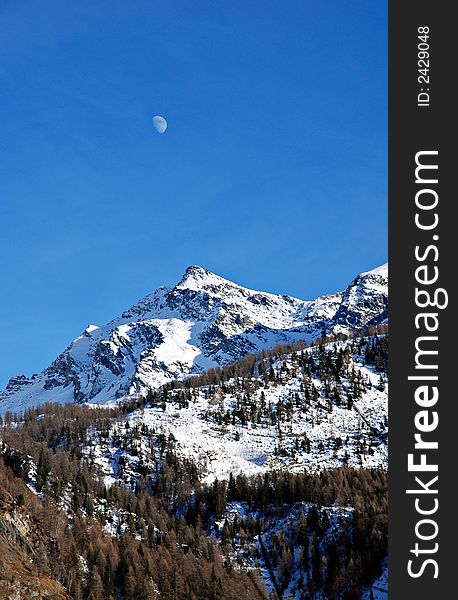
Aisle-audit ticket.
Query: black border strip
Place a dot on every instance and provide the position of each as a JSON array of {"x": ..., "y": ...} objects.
[{"x": 412, "y": 129}]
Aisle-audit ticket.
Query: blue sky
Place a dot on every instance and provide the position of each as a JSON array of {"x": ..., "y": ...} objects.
[{"x": 272, "y": 173}]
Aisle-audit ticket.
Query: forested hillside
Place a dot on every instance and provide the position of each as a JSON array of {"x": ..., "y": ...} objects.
[{"x": 111, "y": 503}]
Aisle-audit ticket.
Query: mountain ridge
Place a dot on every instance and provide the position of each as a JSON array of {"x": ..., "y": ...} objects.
[{"x": 201, "y": 322}]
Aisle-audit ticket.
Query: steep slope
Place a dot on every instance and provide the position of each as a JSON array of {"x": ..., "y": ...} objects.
[
  {"x": 64, "y": 535},
  {"x": 156, "y": 531},
  {"x": 291, "y": 539},
  {"x": 318, "y": 409},
  {"x": 21, "y": 542},
  {"x": 277, "y": 462},
  {"x": 203, "y": 321},
  {"x": 364, "y": 302}
]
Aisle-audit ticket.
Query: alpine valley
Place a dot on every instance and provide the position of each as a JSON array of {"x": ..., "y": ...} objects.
[{"x": 210, "y": 442}]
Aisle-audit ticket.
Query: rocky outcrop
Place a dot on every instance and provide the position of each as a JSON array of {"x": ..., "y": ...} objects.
[{"x": 20, "y": 578}]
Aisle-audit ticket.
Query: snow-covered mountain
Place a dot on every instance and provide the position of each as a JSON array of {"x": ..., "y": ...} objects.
[
  {"x": 282, "y": 419},
  {"x": 201, "y": 322}
]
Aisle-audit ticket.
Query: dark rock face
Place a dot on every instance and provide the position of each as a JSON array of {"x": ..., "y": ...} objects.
[
  {"x": 364, "y": 302},
  {"x": 61, "y": 373},
  {"x": 16, "y": 383}
]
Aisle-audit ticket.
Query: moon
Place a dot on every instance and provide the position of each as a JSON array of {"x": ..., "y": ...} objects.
[{"x": 159, "y": 124}]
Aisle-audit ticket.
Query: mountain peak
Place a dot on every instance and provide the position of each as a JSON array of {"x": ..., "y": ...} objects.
[
  {"x": 196, "y": 271},
  {"x": 198, "y": 278},
  {"x": 382, "y": 269}
]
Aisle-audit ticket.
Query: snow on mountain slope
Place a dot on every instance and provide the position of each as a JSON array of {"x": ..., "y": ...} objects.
[
  {"x": 292, "y": 429},
  {"x": 203, "y": 321},
  {"x": 336, "y": 434},
  {"x": 379, "y": 588},
  {"x": 251, "y": 550},
  {"x": 364, "y": 301}
]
